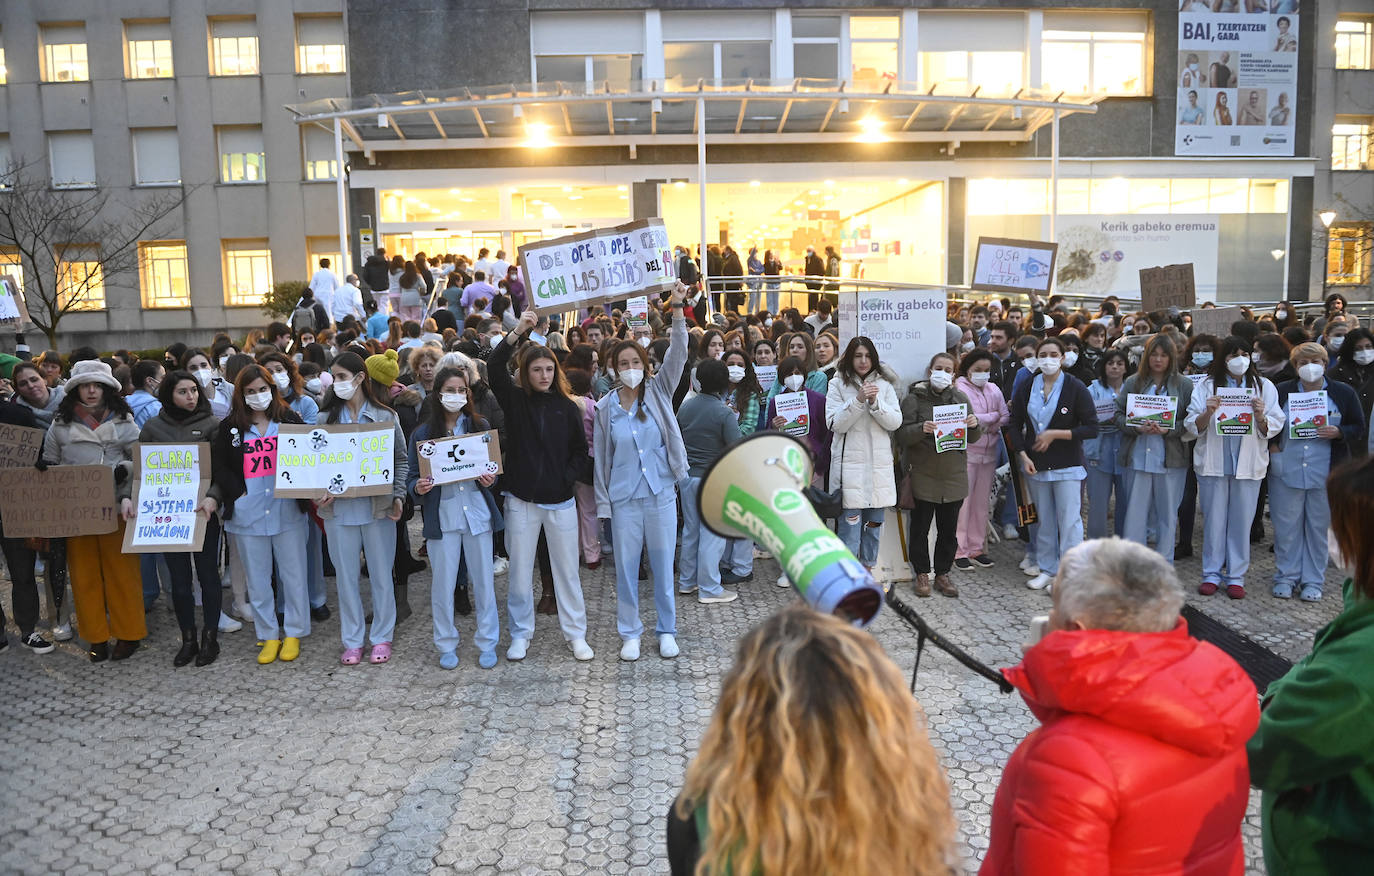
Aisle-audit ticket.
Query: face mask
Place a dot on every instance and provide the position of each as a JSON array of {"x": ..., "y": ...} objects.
[
  {"x": 1202, "y": 360},
  {"x": 1050, "y": 367},
  {"x": 768, "y": 323},
  {"x": 1256, "y": 357},
  {"x": 718, "y": 355},
  {"x": 541, "y": 340},
  {"x": 1070, "y": 359},
  {"x": 223, "y": 362},
  {"x": 258, "y": 401},
  {"x": 736, "y": 373},
  {"x": 630, "y": 377},
  {"x": 281, "y": 379},
  {"x": 643, "y": 340},
  {"x": 314, "y": 385},
  {"x": 980, "y": 378},
  {"x": 1237, "y": 366},
  {"x": 453, "y": 401},
  {"x": 966, "y": 346},
  {"x": 298, "y": 358},
  {"x": 1364, "y": 357},
  {"x": 1280, "y": 314},
  {"x": 1029, "y": 363},
  {"x": 204, "y": 375},
  {"x": 344, "y": 389},
  {"x": 793, "y": 382},
  {"x": 1311, "y": 373},
  {"x": 941, "y": 379},
  {"x": 1337, "y": 341}
]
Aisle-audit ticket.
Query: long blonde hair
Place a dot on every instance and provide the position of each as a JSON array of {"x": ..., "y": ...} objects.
[{"x": 815, "y": 762}]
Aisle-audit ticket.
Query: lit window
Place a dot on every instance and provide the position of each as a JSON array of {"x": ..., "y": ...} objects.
[
  {"x": 323, "y": 248},
  {"x": 162, "y": 269},
  {"x": 247, "y": 272},
  {"x": 319, "y": 153},
  {"x": 617, "y": 69},
  {"x": 1347, "y": 253},
  {"x": 149, "y": 48},
  {"x": 961, "y": 72},
  {"x": 873, "y": 47},
  {"x": 4, "y": 71},
  {"x": 1095, "y": 62},
  {"x": 1355, "y": 44},
  {"x": 64, "y": 53},
  {"x": 320, "y": 44},
  {"x": 1351, "y": 145},
  {"x": 80, "y": 284},
  {"x": 72, "y": 158},
  {"x": 157, "y": 157},
  {"x": 241, "y": 156},
  {"x": 234, "y": 46},
  {"x": 11, "y": 263}
]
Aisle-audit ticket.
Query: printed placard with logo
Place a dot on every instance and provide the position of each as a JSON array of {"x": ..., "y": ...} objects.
[
  {"x": 1158, "y": 410},
  {"x": 1307, "y": 412},
  {"x": 1236, "y": 413},
  {"x": 793, "y": 407},
  {"x": 460, "y": 458},
  {"x": 951, "y": 427}
]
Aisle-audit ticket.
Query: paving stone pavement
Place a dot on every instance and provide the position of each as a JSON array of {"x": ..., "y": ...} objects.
[{"x": 547, "y": 766}]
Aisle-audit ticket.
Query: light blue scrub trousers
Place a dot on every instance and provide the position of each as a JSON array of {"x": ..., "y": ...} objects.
[
  {"x": 314, "y": 567},
  {"x": 1059, "y": 506},
  {"x": 1301, "y": 518},
  {"x": 378, "y": 540},
  {"x": 446, "y": 554},
  {"x": 1101, "y": 486},
  {"x": 699, "y": 564},
  {"x": 287, "y": 550},
  {"x": 739, "y": 556},
  {"x": 638, "y": 523},
  {"x": 1228, "y": 508},
  {"x": 1154, "y": 500}
]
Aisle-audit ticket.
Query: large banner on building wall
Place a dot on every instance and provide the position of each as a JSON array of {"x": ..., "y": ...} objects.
[
  {"x": 1237, "y": 82},
  {"x": 1103, "y": 255}
]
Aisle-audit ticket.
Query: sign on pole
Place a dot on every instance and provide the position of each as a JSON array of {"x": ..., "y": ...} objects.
[
  {"x": 61, "y": 501},
  {"x": 1005, "y": 265},
  {"x": 339, "y": 460},
  {"x": 907, "y": 326},
  {"x": 460, "y": 458},
  {"x": 19, "y": 445},
  {"x": 607, "y": 264},
  {"x": 170, "y": 482},
  {"x": 1169, "y": 286}
]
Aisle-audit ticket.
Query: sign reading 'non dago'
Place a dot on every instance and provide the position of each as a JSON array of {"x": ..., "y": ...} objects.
[
  {"x": 339, "y": 460},
  {"x": 608, "y": 264}
]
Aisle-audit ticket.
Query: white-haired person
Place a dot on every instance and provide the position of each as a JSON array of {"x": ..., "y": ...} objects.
[{"x": 1136, "y": 767}]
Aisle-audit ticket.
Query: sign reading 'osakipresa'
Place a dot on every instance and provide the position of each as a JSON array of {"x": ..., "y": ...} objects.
[{"x": 608, "y": 264}]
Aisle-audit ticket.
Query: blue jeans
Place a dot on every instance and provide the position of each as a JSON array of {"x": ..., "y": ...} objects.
[
  {"x": 1300, "y": 519},
  {"x": 698, "y": 566},
  {"x": 638, "y": 523},
  {"x": 861, "y": 530},
  {"x": 1155, "y": 499},
  {"x": 1059, "y": 506},
  {"x": 1101, "y": 485},
  {"x": 378, "y": 540},
  {"x": 446, "y": 554},
  {"x": 1228, "y": 508},
  {"x": 772, "y": 298},
  {"x": 149, "y": 567}
]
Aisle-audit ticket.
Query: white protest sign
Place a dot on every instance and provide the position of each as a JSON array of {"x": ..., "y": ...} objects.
[
  {"x": 608, "y": 264},
  {"x": 793, "y": 407},
  {"x": 1106, "y": 409},
  {"x": 1215, "y": 320},
  {"x": 1104, "y": 253},
  {"x": 337, "y": 460},
  {"x": 1306, "y": 414},
  {"x": 950, "y": 427},
  {"x": 1236, "y": 414},
  {"x": 170, "y": 480},
  {"x": 460, "y": 458},
  {"x": 1003, "y": 265},
  {"x": 1157, "y": 409},
  {"x": 907, "y": 326},
  {"x": 767, "y": 375}
]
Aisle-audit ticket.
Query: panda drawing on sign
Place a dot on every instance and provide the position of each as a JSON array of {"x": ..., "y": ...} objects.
[
  {"x": 319, "y": 440},
  {"x": 336, "y": 485},
  {"x": 427, "y": 449}
]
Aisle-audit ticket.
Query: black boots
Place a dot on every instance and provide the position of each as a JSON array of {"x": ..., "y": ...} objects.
[
  {"x": 189, "y": 649},
  {"x": 209, "y": 647},
  {"x": 124, "y": 649},
  {"x": 100, "y": 652}
]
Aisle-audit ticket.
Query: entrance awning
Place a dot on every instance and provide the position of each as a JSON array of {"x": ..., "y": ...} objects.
[{"x": 670, "y": 112}]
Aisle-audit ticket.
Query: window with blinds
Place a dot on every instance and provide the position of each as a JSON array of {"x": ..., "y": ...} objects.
[
  {"x": 234, "y": 47},
  {"x": 148, "y": 49},
  {"x": 157, "y": 157},
  {"x": 320, "y": 44},
  {"x": 71, "y": 157},
  {"x": 318, "y": 148}
]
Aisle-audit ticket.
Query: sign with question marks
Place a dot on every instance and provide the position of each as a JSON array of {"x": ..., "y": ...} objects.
[
  {"x": 460, "y": 458},
  {"x": 338, "y": 459}
]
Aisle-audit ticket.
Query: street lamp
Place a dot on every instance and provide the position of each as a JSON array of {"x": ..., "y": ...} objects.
[{"x": 1327, "y": 217}]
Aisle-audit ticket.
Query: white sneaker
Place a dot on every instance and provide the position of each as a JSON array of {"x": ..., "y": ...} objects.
[
  {"x": 242, "y": 612},
  {"x": 685, "y": 589},
  {"x": 667, "y": 646},
  {"x": 1040, "y": 581},
  {"x": 1010, "y": 531},
  {"x": 723, "y": 596},
  {"x": 499, "y": 566},
  {"x": 582, "y": 651},
  {"x": 228, "y": 625},
  {"x": 62, "y": 632},
  {"x": 1030, "y": 568},
  {"x": 628, "y": 651},
  {"x": 782, "y": 581},
  {"x": 517, "y": 649}
]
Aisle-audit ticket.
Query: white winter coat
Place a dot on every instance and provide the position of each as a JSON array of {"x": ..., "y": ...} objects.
[
  {"x": 861, "y": 449},
  {"x": 1208, "y": 453}
]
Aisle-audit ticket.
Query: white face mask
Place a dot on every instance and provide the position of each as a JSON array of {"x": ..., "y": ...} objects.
[
  {"x": 281, "y": 379},
  {"x": 223, "y": 362},
  {"x": 736, "y": 373},
  {"x": 1336, "y": 341},
  {"x": 1255, "y": 357},
  {"x": 453, "y": 401},
  {"x": 1364, "y": 357},
  {"x": 204, "y": 375},
  {"x": 298, "y": 358},
  {"x": 1280, "y": 314},
  {"x": 1237, "y": 365},
  {"x": 1311, "y": 372},
  {"x": 768, "y": 323},
  {"x": 1030, "y": 363},
  {"x": 314, "y": 385},
  {"x": 1050, "y": 367},
  {"x": 980, "y": 378},
  {"x": 344, "y": 389},
  {"x": 630, "y": 377},
  {"x": 966, "y": 346},
  {"x": 941, "y": 379},
  {"x": 258, "y": 401},
  {"x": 643, "y": 340},
  {"x": 1070, "y": 358},
  {"x": 794, "y": 382}
]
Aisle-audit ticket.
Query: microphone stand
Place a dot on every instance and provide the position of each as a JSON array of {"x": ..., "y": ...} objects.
[{"x": 924, "y": 633}]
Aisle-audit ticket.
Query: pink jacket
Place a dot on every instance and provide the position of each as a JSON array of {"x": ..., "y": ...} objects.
[{"x": 991, "y": 410}]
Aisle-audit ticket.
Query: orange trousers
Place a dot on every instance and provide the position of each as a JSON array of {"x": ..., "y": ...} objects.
[{"x": 106, "y": 584}]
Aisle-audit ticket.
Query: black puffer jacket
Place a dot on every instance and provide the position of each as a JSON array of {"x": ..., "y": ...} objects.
[{"x": 546, "y": 452}]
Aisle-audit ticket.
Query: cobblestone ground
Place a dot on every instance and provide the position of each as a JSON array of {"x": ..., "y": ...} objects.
[{"x": 548, "y": 766}]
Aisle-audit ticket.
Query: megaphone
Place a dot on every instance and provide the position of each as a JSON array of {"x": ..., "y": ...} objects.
[{"x": 755, "y": 490}]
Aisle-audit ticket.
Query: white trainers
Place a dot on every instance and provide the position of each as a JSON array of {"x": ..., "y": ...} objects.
[
  {"x": 782, "y": 582},
  {"x": 1030, "y": 568},
  {"x": 242, "y": 612},
  {"x": 1040, "y": 581},
  {"x": 582, "y": 651},
  {"x": 723, "y": 596},
  {"x": 630, "y": 650},
  {"x": 517, "y": 649},
  {"x": 1010, "y": 531},
  {"x": 228, "y": 625},
  {"x": 499, "y": 565},
  {"x": 667, "y": 646},
  {"x": 62, "y": 632}
]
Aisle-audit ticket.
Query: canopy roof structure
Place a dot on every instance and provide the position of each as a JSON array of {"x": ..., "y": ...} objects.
[{"x": 671, "y": 112}]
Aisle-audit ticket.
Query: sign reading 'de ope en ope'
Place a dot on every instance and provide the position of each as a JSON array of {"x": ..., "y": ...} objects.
[{"x": 608, "y": 264}]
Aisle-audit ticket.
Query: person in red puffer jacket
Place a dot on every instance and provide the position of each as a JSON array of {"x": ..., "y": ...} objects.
[{"x": 1139, "y": 765}]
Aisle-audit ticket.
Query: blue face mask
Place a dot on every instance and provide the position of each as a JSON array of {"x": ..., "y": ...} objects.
[{"x": 1202, "y": 360}]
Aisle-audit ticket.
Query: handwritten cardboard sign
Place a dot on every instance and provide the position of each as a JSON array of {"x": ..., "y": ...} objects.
[
  {"x": 339, "y": 460},
  {"x": 170, "y": 481},
  {"x": 460, "y": 458},
  {"x": 19, "y": 446},
  {"x": 1005, "y": 265},
  {"x": 1169, "y": 286},
  {"x": 607, "y": 264},
  {"x": 1215, "y": 320},
  {"x": 63, "y": 501}
]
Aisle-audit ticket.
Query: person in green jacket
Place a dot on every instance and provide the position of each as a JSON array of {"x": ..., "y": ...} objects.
[{"x": 1313, "y": 756}]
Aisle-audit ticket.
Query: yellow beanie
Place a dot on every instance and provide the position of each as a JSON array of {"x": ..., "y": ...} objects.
[{"x": 383, "y": 368}]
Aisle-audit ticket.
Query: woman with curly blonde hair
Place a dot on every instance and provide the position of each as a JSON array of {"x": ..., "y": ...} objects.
[{"x": 814, "y": 762}]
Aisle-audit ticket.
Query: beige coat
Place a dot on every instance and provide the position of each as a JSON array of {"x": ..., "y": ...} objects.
[
  {"x": 861, "y": 449},
  {"x": 111, "y": 443}
]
